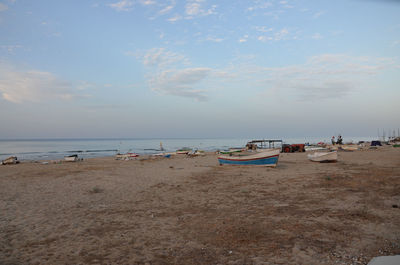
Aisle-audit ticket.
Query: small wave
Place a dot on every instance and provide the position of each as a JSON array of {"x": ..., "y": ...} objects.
[
  {"x": 92, "y": 151},
  {"x": 29, "y": 153}
]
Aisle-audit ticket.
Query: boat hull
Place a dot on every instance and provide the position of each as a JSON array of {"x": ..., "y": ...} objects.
[
  {"x": 262, "y": 158},
  {"x": 323, "y": 157},
  {"x": 71, "y": 158}
]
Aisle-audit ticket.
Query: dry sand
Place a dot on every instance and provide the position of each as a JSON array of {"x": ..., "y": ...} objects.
[{"x": 192, "y": 211}]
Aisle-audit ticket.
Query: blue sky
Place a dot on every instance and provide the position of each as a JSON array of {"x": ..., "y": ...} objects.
[{"x": 198, "y": 68}]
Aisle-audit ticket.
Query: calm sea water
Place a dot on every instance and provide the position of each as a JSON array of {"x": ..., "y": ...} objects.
[{"x": 87, "y": 148}]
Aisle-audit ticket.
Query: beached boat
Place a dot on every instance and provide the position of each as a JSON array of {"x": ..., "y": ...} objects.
[
  {"x": 349, "y": 147},
  {"x": 232, "y": 150},
  {"x": 71, "y": 158},
  {"x": 396, "y": 144},
  {"x": 262, "y": 157},
  {"x": 323, "y": 156},
  {"x": 310, "y": 148},
  {"x": 126, "y": 156},
  {"x": 183, "y": 151},
  {"x": 164, "y": 154},
  {"x": 9, "y": 161},
  {"x": 196, "y": 153}
]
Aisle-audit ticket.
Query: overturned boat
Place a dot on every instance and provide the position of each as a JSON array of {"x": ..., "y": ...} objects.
[
  {"x": 262, "y": 157},
  {"x": 323, "y": 156}
]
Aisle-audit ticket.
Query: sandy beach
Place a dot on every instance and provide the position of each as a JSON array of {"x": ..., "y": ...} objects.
[{"x": 183, "y": 210}]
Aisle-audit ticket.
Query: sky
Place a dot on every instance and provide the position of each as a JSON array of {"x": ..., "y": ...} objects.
[{"x": 198, "y": 68}]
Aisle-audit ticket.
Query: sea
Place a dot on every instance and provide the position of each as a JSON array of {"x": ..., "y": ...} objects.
[{"x": 52, "y": 149}]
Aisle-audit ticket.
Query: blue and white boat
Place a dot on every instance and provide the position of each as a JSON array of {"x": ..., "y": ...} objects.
[{"x": 261, "y": 157}]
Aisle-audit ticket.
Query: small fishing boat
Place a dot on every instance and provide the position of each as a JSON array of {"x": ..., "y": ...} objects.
[
  {"x": 323, "y": 156},
  {"x": 183, "y": 151},
  {"x": 11, "y": 160},
  {"x": 126, "y": 156},
  {"x": 231, "y": 150},
  {"x": 349, "y": 147},
  {"x": 196, "y": 153},
  {"x": 262, "y": 157},
  {"x": 309, "y": 148},
  {"x": 71, "y": 158},
  {"x": 164, "y": 154}
]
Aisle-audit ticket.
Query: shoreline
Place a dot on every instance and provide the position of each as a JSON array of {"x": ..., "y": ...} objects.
[{"x": 54, "y": 149}]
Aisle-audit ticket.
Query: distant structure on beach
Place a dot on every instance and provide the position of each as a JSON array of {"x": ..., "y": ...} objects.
[{"x": 389, "y": 136}]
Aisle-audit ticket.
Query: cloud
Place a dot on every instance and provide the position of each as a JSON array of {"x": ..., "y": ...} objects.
[
  {"x": 395, "y": 43},
  {"x": 124, "y": 5},
  {"x": 161, "y": 58},
  {"x": 326, "y": 76},
  {"x": 10, "y": 48},
  {"x": 285, "y": 4},
  {"x": 318, "y": 14},
  {"x": 174, "y": 18},
  {"x": 3, "y": 7},
  {"x": 195, "y": 8},
  {"x": 166, "y": 10},
  {"x": 272, "y": 35},
  {"x": 260, "y": 5},
  {"x": 33, "y": 86},
  {"x": 316, "y": 36},
  {"x": 147, "y": 2},
  {"x": 169, "y": 73},
  {"x": 244, "y": 38},
  {"x": 181, "y": 82},
  {"x": 214, "y": 39}
]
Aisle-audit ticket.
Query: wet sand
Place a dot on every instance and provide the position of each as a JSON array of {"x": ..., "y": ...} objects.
[{"x": 185, "y": 210}]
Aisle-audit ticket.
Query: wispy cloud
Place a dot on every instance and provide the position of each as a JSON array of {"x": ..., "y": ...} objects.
[
  {"x": 326, "y": 76},
  {"x": 285, "y": 4},
  {"x": 395, "y": 43},
  {"x": 166, "y": 9},
  {"x": 318, "y": 14},
  {"x": 244, "y": 38},
  {"x": 316, "y": 36},
  {"x": 214, "y": 39},
  {"x": 174, "y": 18},
  {"x": 10, "y": 48},
  {"x": 3, "y": 7},
  {"x": 196, "y": 8},
  {"x": 161, "y": 58},
  {"x": 260, "y": 5},
  {"x": 181, "y": 82},
  {"x": 124, "y": 5},
  {"x": 282, "y": 34},
  {"x": 147, "y": 2},
  {"x": 34, "y": 86},
  {"x": 170, "y": 74}
]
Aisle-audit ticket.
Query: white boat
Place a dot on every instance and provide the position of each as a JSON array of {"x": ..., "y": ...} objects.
[
  {"x": 349, "y": 147},
  {"x": 263, "y": 157},
  {"x": 196, "y": 153},
  {"x": 314, "y": 148},
  {"x": 323, "y": 156},
  {"x": 127, "y": 156},
  {"x": 71, "y": 158}
]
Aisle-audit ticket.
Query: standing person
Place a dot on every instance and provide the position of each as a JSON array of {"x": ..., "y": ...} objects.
[
  {"x": 339, "y": 139},
  {"x": 333, "y": 140}
]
